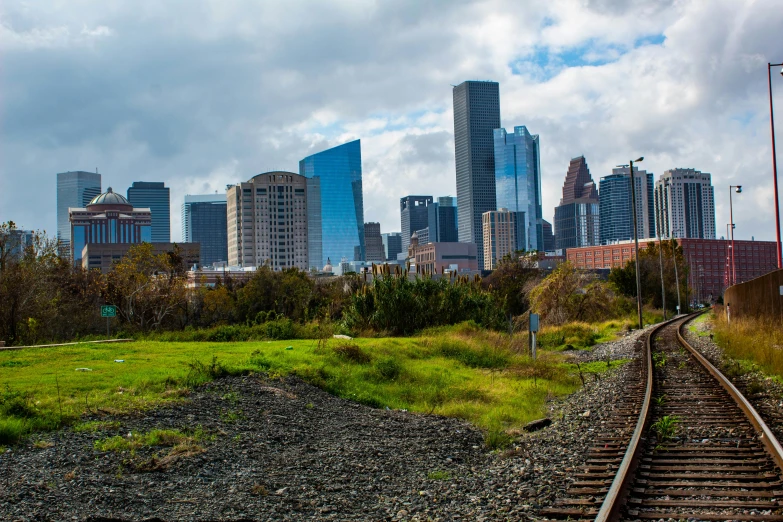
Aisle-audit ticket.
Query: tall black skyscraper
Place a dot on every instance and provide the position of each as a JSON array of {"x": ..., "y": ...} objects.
[
  {"x": 155, "y": 196},
  {"x": 476, "y": 115},
  {"x": 204, "y": 222},
  {"x": 413, "y": 216}
]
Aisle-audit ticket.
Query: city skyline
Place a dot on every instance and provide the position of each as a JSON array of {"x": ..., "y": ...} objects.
[{"x": 610, "y": 95}]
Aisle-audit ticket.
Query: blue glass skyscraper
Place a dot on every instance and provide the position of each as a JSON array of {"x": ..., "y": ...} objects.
[
  {"x": 518, "y": 183},
  {"x": 155, "y": 196},
  {"x": 335, "y": 206}
]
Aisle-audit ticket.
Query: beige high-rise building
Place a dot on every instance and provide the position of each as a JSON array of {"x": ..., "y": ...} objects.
[
  {"x": 499, "y": 228},
  {"x": 267, "y": 221}
]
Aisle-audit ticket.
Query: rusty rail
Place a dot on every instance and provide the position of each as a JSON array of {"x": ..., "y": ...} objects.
[
  {"x": 765, "y": 434},
  {"x": 610, "y": 508},
  {"x": 617, "y": 493}
]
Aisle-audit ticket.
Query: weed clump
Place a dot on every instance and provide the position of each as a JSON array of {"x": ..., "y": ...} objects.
[
  {"x": 388, "y": 368},
  {"x": 352, "y": 353},
  {"x": 666, "y": 427},
  {"x": 19, "y": 416},
  {"x": 496, "y": 438},
  {"x": 200, "y": 372},
  {"x": 439, "y": 475}
]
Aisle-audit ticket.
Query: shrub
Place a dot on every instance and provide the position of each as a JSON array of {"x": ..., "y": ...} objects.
[
  {"x": 400, "y": 306},
  {"x": 259, "y": 360},
  {"x": 279, "y": 329},
  {"x": 388, "y": 368},
  {"x": 352, "y": 352},
  {"x": 204, "y": 372}
]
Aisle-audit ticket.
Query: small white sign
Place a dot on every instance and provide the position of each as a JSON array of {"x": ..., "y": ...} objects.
[{"x": 781, "y": 289}]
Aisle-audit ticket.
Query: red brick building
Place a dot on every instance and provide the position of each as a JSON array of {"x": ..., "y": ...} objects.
[{"x": 709, "y": 260}]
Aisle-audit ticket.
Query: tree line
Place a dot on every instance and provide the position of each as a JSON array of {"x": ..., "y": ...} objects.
[{"x": 45, "y": 299}]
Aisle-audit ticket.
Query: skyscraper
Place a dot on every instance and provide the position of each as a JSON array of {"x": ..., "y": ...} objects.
[
  {"x": 335, "y": 210},
  {"x": 267, "y": 221},
  {"x": 74, "y": 190},
  {"x": 155, "y": 196},
  {"x": 576, "y": 218},
  {"x": 615, "y": 207},
  {"x": 374, "y": 243},
  {"x": 413, "y": 216},
  {"x": 204, "y": 222},
  {"x": 476, "y": 116},
  {"x": 685, "y": 204},
  {"x": 518, "y": 183},
  {"x": 500, "y": 237},
  {"x": 392, "y": 245},
  {"x": 442, "y": 220},
  {"x": 549, "y": 236}
]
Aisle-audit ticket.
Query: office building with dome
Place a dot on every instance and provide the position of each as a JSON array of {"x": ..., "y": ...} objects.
[
  {"x": 104, "y": 231},
  {"x": 108, "y": 218}
]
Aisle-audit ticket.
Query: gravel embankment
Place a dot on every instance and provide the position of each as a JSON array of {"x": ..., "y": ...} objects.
[
  {"x": 285, "y": 450},
  {"x": 763, "y": 392}
]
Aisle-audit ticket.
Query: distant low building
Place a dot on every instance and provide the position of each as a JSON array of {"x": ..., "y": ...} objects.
[
  {"x": 708, "y": 259},
  {"x": 436, "y": 257},
  {"x": 103, "y": 256},
  {"x": 205, "y": 277}
]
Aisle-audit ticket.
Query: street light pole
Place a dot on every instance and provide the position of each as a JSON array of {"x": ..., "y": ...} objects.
[
  {"x": 660, "y": 264},
  {"x": 731, "y": 218},
  {"x": 636, "y": 242},
  {"x": 774, "y": 160}
]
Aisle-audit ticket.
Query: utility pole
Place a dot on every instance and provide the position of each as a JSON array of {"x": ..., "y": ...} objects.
[
  {"x": 660, "y": 264},
  {"x": 636, "y": 246},
  {"x": 676, "y": 277}
]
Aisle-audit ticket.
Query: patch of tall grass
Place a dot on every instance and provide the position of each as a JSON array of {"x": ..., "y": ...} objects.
[
  {"x": 747, "y": 338},
  {"x": 579, "y": 335}
]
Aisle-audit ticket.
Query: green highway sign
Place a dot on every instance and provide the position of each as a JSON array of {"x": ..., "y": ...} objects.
[{"x": 108, "y": 311}]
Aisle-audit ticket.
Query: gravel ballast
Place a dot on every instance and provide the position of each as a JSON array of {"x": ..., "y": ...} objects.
[
  {"x": 763, "y": 392},
  {"x": 285, "y": 450}
]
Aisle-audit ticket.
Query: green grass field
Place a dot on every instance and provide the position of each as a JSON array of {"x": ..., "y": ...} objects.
[{"x": 460, "y": 371}]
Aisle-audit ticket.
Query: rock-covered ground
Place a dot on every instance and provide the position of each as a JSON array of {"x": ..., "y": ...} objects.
[{"x": 284, "y": 450}]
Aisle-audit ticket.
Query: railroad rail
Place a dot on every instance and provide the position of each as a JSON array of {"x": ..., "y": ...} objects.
[{"x": 684, "y": 445}]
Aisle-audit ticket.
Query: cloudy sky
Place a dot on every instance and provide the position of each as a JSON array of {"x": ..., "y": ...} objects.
[{"x": 202, "y": 93}]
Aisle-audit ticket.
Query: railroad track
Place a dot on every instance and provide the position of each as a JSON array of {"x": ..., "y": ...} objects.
[{"x": 684, "y": 445}]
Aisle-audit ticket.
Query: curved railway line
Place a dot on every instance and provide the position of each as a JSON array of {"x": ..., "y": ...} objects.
[{"x": 684, "y": 444}]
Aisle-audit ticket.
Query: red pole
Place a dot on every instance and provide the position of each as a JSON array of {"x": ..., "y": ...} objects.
[{"x": 774, "y": 162}]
